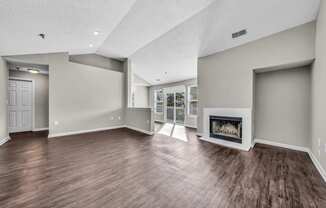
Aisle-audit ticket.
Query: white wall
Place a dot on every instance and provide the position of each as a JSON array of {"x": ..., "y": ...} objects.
[
  {"x": 3, "y": 100},
  {"x": 282, "y": 106},
  {"x": 190, "y": 121},
  {"x": 225, "y": 79},
  {"x": 81, "y": 97},
  {"x": 41, "y": 85},
  {"x": 319, "y": 90}
]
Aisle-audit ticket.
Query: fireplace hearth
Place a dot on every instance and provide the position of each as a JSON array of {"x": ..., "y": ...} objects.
[{"x": 226, "y": 128}]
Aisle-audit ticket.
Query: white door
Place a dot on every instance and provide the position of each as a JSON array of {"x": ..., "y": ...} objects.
[{"x": 20, "y": 105}]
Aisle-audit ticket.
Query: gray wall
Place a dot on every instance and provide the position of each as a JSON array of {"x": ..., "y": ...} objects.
[
  {"x": 41, "y": 83},
  {"x": 319, "y": 89},
  {"x": 225, "y": 79},
  {"x": 81, "y": 97},
  {"x": 190, "y": 121},
  {"x": 139, "y": 118},
  {"x": 141, "y": 96},
  {"x": 98, "y": 61},
  {"x": 3, "y": 99},
  {"x": 282, "y": 106}
]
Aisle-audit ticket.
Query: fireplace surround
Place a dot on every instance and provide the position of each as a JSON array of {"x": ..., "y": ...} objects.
[
  {"x": 241, "y": 129},
  {"x": 226, "y": 128}
]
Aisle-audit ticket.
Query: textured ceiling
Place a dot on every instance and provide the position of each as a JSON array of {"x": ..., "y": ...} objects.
[
  {"x": 163, "y": 38},
  {"x": 68, "y": 24}
]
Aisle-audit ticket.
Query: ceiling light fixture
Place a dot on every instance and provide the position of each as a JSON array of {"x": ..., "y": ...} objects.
[
  {"x": 91, "y": 45},
  {"x": 96, "y": 33},
  {"x": 42, "y": 35},
  {"x": 33, "y": 71}
]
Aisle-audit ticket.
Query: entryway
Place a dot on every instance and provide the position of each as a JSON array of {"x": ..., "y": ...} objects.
[{"x": 28, "y": 97}]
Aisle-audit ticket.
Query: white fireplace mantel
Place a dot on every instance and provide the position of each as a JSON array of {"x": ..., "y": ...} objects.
[{"x": 244, "y": 113}]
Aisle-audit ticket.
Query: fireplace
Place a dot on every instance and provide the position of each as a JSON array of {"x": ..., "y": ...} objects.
[{"x": 226, "y": 128}]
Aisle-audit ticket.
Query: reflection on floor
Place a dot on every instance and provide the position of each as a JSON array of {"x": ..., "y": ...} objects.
[{"x": 176, "y": 131}]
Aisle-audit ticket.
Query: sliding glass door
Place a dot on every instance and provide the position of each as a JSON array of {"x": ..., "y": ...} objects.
[
  {"x": 170, "y": 107},
  {"x": 179, "y": 107},
  {"x": 175, "y": 105}
]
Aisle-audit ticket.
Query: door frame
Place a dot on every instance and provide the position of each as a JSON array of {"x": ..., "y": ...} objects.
[{"x": 33, "y": 99}]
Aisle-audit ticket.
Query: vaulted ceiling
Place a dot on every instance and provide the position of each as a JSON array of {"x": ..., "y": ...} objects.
[{"x": 163, "y": 38}]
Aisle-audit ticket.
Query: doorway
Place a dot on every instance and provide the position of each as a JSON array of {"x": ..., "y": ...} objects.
[
  {"x": 175, "y": 105},
  {"x": 28, "y": 97}
]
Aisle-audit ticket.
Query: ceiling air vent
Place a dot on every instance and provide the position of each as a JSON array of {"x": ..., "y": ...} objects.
[{"x": 240, "y": 33}]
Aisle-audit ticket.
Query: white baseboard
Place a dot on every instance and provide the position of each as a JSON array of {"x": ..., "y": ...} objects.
[
  {"x": 288, "y": 146},
  {"x": 140, "y": 130},
  {"x": 99, "y": 129},
  {"x": 4, "y": 140},
  {"x": 226, "y": 143},
  {"x": 40, "y": 129},
  {"x": 84, "y": 131},
  {"x": 190, "y": 126},
  {"x": 317, "y": 165},
  {"x": 315, "y": 161}
]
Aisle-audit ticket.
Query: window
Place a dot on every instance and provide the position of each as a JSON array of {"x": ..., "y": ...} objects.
[
  {"x": 192, "y": 100},
  {"x": 159, "y": 101}
]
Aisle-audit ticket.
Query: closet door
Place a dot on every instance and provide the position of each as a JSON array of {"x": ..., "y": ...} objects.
[{"x": 20, "y": 105}]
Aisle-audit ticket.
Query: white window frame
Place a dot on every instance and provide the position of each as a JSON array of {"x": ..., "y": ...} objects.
[
  {"x": 189, "y": 100},
  {"x": 155, "y": 102}
]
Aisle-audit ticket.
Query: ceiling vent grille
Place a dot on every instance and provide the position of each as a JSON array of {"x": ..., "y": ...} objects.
[{"x": 239, "y": 33}]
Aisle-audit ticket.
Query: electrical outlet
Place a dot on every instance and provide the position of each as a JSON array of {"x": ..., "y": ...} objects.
[
  {"x": 119, "y": 118},
  {"x": 56, "y": 123},
  {"x": 112, "y": 118},
  {"x": 318, "y": 142}
]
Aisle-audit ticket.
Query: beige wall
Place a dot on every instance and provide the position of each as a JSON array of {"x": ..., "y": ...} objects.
[
  {"x": 41, "y": 85},
  {"x": 3, "y": 100},
  {"x": 225, "y": 79},
  {"x": 282, "y": 106},
  {"x": 319, "y": 90},
  {"x": 81, "y": 97}
]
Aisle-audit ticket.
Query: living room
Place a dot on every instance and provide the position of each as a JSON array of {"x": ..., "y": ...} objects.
[{"x": 201, "y": 103}]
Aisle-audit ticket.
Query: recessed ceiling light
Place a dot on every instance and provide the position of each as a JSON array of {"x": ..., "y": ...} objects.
[
  {"x": 96, "y": 33},
  {"x": 91, "y": 45},
  {"x": 33, "y": 71}
]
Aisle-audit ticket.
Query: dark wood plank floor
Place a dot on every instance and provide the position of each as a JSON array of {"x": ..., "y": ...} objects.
[{"x": 122, "y": 168}]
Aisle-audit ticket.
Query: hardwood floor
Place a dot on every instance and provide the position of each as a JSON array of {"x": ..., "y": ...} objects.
[{"x": 124, "y": 169}]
